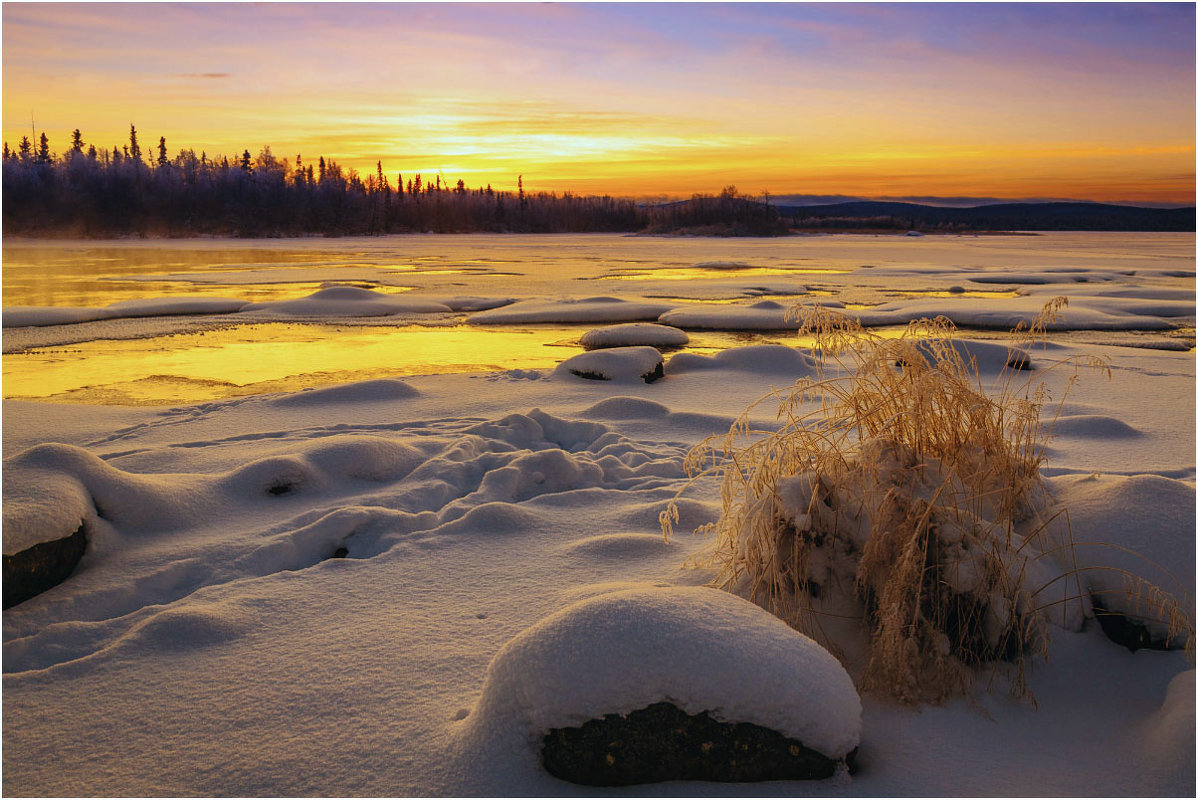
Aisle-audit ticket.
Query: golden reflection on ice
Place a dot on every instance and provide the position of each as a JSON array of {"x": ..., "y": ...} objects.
[
  {"x": 984, "y": 293},
  {"x": 269, "y": 357},
  {"x": 710, "y": 273},
  {"x": 285, "y": 357}
]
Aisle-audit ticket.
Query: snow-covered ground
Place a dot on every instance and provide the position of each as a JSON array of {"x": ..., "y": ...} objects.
[{"x": 391, "y": 586}]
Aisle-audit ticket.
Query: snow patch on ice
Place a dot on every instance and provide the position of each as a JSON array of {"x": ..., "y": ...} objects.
[
  {"x": 586, "y": 309},
  {"x": 347, "y": 301},
  {"x": 632, "y": 334}
]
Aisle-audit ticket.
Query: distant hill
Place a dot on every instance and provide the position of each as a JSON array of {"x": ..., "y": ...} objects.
[{"x": 1059, "y": 216}]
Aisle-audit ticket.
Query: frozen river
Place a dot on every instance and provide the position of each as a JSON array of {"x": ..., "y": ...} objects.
[{"x": 130, "y": 341}]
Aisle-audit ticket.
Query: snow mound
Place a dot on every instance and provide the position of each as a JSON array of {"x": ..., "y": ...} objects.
[
  {"x": 364, "y": 391},
  {"x": 766, "y": 315},
  {"x": 623, "y": 407},
  {"x": 698, "y": 648},
  {"x": 1166, "y": 738},
  {"x": 621, "y": 364},
  {"x": 759, "y": 358},
  {"x": 1151, "y": 516},
  {"x": 988, "y": 356},
  {"x": 586, "y": 309},
  {"x": 348, "y": 301},
  {"x": 616, "y": 546},
  {"x": 51, "y": 488},
  {"x": 1091, "y": 426},
  {"x": 634, "y": 333}
]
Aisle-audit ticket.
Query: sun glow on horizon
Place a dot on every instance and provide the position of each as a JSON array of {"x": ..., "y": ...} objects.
[{"x": 654, "y": 100}]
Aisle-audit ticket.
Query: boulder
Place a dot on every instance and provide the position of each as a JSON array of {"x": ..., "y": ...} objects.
[
  {"x": 35, "y": 569},
  {"x": 664, "y": 743}
]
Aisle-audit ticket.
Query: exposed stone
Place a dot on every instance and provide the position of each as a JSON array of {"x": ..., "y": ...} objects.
[
  {"x": 1125, "y": 630},
  {"x": 664, "y": 743},
  {"x": 38, "y": 568}
]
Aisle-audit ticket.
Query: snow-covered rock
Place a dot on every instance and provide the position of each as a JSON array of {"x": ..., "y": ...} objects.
[
  {"x": 700, "y": 649},
  {"x": 632, "y": 334},
  {"x": 615, "y": 364}
]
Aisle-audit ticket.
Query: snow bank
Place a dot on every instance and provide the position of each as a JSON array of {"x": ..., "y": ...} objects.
[
  {"x": 21, "y": 316},
  {"x": 634, "y": 333},
  {"x": 586, "y": 309},
  {"x": 615, "y": 364},
  {"x": 698, "y": 648},
  {"x": 1004, "y": 313}
]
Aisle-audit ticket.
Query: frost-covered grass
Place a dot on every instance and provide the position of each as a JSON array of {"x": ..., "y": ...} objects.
[{"x": 902, "y": 520}]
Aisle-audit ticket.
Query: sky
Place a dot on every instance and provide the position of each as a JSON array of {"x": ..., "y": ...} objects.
[{"x": 995, "y": 100}]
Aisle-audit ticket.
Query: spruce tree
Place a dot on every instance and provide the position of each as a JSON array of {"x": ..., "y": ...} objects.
[{"x": 134, "y": 147}]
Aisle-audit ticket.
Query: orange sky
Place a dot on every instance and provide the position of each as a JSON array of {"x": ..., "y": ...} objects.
[{"x": 1010, "y": 101}]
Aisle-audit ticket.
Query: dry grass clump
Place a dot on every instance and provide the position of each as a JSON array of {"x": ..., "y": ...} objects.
[{"x": 896, "y": 522}]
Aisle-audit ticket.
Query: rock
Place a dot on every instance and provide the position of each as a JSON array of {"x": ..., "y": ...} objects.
[
  {"x": 43, "y": 566},
  {"x": 1128, "y": 631},
  {"x": 664, "y": 743},
  {"x": 616, "y": 364}
]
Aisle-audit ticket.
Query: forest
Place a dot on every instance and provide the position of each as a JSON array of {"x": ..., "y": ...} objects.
[
  {"x": 99, "y": 193},
  {"x": 121, "y": 191}
]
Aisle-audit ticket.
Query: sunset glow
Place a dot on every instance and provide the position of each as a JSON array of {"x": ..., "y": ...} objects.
[{"x": 1078, "y": 101}]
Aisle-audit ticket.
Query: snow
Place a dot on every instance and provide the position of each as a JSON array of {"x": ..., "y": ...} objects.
[
  {"x": 347, "y": 301},
  {"x": 501, "y": 567},
  {"x": 586, "y": 309},
  {"x": 574, "y": 666},
  {"x": 20, "y": 316},
  {"x": 634, "y": 333},
  {"x": 614, "y": 364}
]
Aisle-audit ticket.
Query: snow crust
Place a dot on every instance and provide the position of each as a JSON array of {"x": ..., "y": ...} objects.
[{"x": 698, "y": 648}]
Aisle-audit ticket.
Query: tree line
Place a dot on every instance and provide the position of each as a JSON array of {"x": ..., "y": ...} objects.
[{"x": 124, "y": 191}]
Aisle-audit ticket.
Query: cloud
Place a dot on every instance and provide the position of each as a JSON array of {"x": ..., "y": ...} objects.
[{"x": 212, "y": 75}]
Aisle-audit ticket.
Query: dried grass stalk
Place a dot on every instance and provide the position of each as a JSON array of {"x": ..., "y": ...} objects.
[{"x": 893, "y": 508}]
